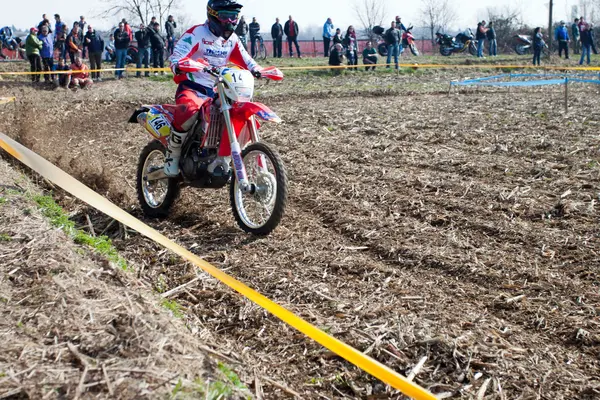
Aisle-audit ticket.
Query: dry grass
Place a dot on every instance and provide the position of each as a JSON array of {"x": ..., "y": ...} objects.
[{"x": 459, "y": 228}]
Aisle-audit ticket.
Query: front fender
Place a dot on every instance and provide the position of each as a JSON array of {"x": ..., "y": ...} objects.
[{"x": 243, "y": 111}]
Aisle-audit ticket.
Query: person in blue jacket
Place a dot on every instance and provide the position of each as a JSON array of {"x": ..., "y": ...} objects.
[
  {"x": 328, "y": 34},
  {"x": 561, "y": 34}
]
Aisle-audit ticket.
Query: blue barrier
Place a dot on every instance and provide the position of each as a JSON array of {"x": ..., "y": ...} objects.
[{"x": 565, "y": 78}]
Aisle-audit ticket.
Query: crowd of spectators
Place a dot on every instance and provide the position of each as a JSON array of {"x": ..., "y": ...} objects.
[
  {"x": 48, "y": 47},
  {"x": 49, "y": 42}
]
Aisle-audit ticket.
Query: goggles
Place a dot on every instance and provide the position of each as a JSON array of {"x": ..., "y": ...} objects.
[{"x": 226, "y": 16}]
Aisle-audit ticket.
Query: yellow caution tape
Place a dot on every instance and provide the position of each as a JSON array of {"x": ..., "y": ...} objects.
[
  {"x": 78, "y": 189},
  {"x": 324, "y": 67},
  {"x": 4, "y": 100}
]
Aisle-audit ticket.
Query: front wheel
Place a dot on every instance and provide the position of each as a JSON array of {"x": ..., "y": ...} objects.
[
  {"x": 414, "y": 50},
  {"x": 473, "y": 49},
  {"x": 260, "y": 211},
  {"x": 156, "y": 198}
]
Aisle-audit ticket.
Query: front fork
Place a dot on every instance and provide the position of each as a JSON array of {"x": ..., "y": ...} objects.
[{"x": 236, "y": 150}]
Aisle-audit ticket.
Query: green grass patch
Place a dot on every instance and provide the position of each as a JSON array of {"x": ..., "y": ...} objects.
[
  {"x": 3, "y": 200},
  {"x": 4, "y": 237},
  {"x": 99, "y": 244},
  {"x": 174, "y": 307}
]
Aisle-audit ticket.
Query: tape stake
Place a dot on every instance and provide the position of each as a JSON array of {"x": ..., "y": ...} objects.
[{"x": 79, "y": 190}]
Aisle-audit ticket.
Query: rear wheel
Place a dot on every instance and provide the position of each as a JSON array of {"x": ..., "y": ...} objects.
[
  {"x": 260, "y": 212},
  {"x": 383, "y": 50},
  {"x": 157, "y": 197},
  {"x": 521, "y": 49},
  {"x": 445, "y": 50},
  {"x": 261, "y": 50}
]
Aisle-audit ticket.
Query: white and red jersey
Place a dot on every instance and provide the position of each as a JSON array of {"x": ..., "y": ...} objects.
[{"x": 200, "y": 42}]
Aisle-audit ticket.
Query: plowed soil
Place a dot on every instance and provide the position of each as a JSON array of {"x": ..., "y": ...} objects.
[{"x": 462, "y": 228}]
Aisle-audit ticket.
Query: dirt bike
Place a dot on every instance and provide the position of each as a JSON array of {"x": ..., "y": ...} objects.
[
  {"x": 463, "y": 42},
  {"x": 408, "y": 41},
  {"x": 212, "y": 154},
  {"x": 524, "y": 46}
]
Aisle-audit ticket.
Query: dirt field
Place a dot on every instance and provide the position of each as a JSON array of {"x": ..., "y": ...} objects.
[{"x": 463, "y": 228}]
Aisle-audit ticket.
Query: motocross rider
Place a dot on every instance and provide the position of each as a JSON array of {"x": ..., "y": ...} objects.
[{"x": 216, "y": 43}]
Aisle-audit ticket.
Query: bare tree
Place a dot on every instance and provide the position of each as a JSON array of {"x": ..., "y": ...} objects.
[
  {"x": 141, "y": 10},
  {"x": 507, "y": 22},
  {"x": 437, "y": 15},
  {"x": 370, "y": 13}
]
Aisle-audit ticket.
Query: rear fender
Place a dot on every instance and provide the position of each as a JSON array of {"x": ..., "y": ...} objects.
[{"x": 157, "y": 121}]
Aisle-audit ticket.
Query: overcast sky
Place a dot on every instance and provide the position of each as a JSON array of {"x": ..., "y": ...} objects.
[{"x": 305, "y": 12}]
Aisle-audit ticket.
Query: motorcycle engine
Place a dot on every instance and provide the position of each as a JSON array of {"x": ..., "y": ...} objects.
[{"x": 200, "y": 169}]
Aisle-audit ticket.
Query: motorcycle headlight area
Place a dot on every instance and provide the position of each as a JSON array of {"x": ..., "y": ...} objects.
[{"x": 240, "y": 84}]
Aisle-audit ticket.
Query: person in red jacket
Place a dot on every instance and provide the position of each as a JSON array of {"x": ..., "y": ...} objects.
[
  {"x": 128, "y": 29},
  {"x": 80, "y": 77}
]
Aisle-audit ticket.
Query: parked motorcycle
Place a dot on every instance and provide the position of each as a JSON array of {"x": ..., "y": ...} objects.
[
  {"x": 462, "y": 42},
  {"x": 408, "y": 41},
  {"x": 212, "y": 154},
  {"x": 524, "y": 45}
]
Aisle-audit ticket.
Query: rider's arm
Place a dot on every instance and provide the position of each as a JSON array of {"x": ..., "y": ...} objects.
[
  {"x": 185, "y": 47},
  {"x": 240, "y": 57}
]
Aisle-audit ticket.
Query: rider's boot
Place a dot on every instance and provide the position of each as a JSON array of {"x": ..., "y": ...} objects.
[{"x": 174, "y": 153}]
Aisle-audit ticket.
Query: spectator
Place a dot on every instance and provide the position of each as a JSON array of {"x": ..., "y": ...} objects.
[
  {"x": 82, "y": 31},
  {"x": 480, "y": 37},
  {"x": 47, "y": 52},
  {"x": 127, "y": 29},
  {"x": 351, "y": 45},
  {"x": 593, "y": 39},
  {"x": 63, "y": 80},
  {"x": 44, "y": 21},
  {"x": 158, "y": 48},
  {"x": 337, "y": 38},
  {"x": 94, "y": 45},
  {"x": 369, "y": 57},
  {"x": 80, "y": 75},
  {"x": 142, "y": 38},
  {"x": 538, "y": 45},
  {"x": 59, "y": 26},
  {"x": 328, "y": 33},
  {"x": 170, "y": 27},
  {"x": 33, "y": 45},
  {"x": 254, "y": 33},
  {"x": 60, "y": 42},
  {"x": 336, "y": 58},
  {"x": 121, "y": 44},
  {"x": 74, "y": 43},
  {"x": 110, "y": 54},
  {"x": 150, "y": 26},
  {"x": 561, "y": 34},
  {"x": 399, "y": 25},
  {"x": 576, "y": 36},
  {"x": 586, "y": 41},
  {"x": 242, "y": 31},
  {"x": 492, "y": 41},
  {"x": 277, "y": 35},
  {"x": 392, "y": 40},
  {"x": 291, "y": 31}
]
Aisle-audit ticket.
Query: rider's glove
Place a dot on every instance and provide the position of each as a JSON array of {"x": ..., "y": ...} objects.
[{"x": 256, "y": 73}]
